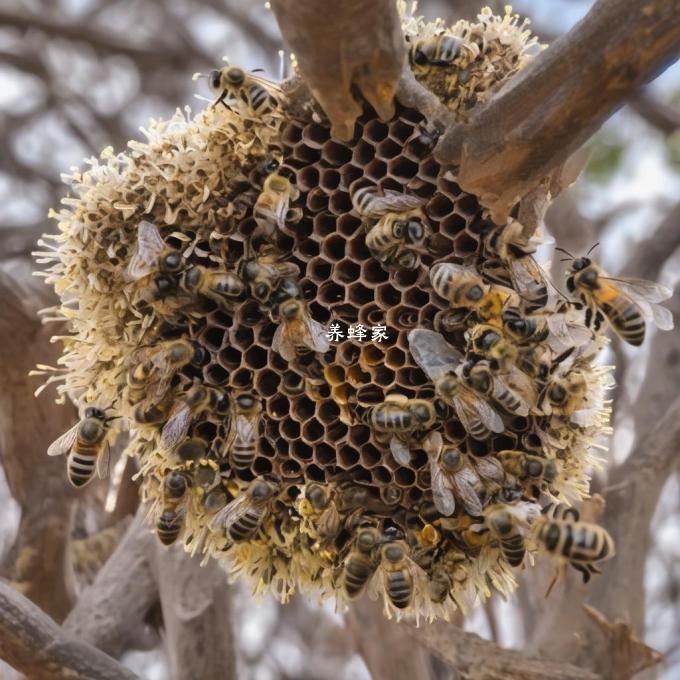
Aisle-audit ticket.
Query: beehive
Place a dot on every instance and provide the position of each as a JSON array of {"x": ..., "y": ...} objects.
[{"x": 197, "y": 180}]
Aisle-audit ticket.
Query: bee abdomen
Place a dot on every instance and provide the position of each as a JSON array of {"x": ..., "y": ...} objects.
[
  {"x": 246, "y": 527},
  {"x": 81, "y": 466},
  {"x": 399, "y": 590},
  {"x": 513, "y": 550},
  {"x": 356, "y": 576},
  {"x": 168, "y": 527},
  {"x": 242, "y": 455},
  {"x": 627, "y": 321}
]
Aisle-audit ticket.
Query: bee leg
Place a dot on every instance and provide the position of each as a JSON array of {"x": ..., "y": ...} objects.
[{"x": 585, "y": 570}]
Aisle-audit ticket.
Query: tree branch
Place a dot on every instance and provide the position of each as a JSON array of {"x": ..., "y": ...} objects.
[
  {"x": 664, "y": 117},
  {"x": 556, "y": 103},
  {"x": 35, "y": 645}
]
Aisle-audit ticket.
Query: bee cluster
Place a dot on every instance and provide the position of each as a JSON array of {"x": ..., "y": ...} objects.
[{"x": 199, "y": 273}]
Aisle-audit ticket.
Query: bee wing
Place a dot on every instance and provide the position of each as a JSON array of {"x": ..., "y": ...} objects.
[
  {"x": 499, "y": 387},
  {"x": 281, "y": 210},
  {"x": 395, "y": 201},
  {"x": 646, "y": 294},
  {"x": 230, "y": 513},
  {"x": 246, "y": 428},
  {"x": 490, "y": 468},
  {"x": 484, "y": 411},
  {"x": 315, "y": 335},
  {"x": 432, "y": 353},
  {"x": 104, "y": 461},
  {"x": 442, "y": 495},
  {"x": 585, "y": 417},
  {"x": 400, "y": 451},
  {"x": 149, "y": 247},
  {"x": 521, "y": 385},
  {"x": 281, "y": 344},
  {"x": 566, "y": 333},
  {"x": 527, "y": 275},
  {"x": 65, "y": 443},
  {"x": 176, "y": 426},
  {"x": 466, "y": 481}
]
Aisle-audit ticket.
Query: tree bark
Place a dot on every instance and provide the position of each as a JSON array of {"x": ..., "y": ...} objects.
[
  {"x": 556, "y": 103},
  {"x": 35, "y": 645}
]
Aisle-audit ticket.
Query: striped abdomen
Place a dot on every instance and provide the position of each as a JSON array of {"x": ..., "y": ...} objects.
[
  {"x": 82, "y": 462},
  {"x": 246, "y": 526},
  {"x": 400, "y": 588},
  {"x": 513, "y": 549},
  {"x": 168, "y": 526},
  {"x": 358, "y": 569},
  {"x": 626, "y": 320}
]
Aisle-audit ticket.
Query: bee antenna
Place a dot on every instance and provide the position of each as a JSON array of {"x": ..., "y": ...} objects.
[
  {"x": 567, "y": 259},
  {"x": 592, "y": 248},
  {"x": 257, "y": 70},
  {"x": 566, "y": 252}
]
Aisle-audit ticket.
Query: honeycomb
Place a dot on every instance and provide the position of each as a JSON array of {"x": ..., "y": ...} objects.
[{"x": 328, "y": 479}]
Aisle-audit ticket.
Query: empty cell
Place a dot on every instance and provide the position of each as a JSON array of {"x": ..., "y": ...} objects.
[
  {"x": 448, "y": 187},
  {"x": 317, "y": 200},
  {"x": 335, "y": 153},
  {"x": 503, "y": 441},
  {"x": 319, "y": 269},
  {"x": 363, "y": 153},
  {"x": 292, "y": 384},
  {"x": 477, "y": 447},
  {"x": 383, "y": 376},
  {"x": 265, "y": 446},
  {"x": 279, "y": 406},
  {"x": 468, "y": 204},
  {"x": 411, "y": 116},
  {"x": 419, "y": 459},
  {"x": 357, "y": 249},
  {"x": 302, "y": 408},
  {"x": 402, "y": 168},
  {"x": 413, "y": 496},
  {"x": 271, "y": 428},
  {"x": 245, "y": 475},
  {"x": 359, "y": 294},
  {"x": 464, "y": 244},
  {"x": 359, "y": 435},
  {"x": 347, "y": 271},
  {"x": 360, "y": 474},
  {"x": 256, "y": 357},
  {"x": 315, "y": 474},
  {"x": 312, "y": 432},
  {"x": 324, "y": 224},
  {"x": 328, "y": 412},
  {"x": 206, "y": 431},
  {"x": 387, "y": 296},
  {"x": 315, "y": 135},
  {"x": 290, "y": 429},
  {"x": 426, "y": 315},
  {"x": 371, "y": 355},
  {"x": 452, "y": 225},
  {"x": 307, "y": 178},
  {"x": 215, "y": 374},
  {"x": 382, "y": 474},
  {"x": 306, "y": 154},
  {"x": 249, "y": 313},
  {"x": 400, "y": 130},
  {"x": 340, "y": 202},
  {"x": 454, "y": 430},
  {"x": 265, "y": 334},
  {"x": 375, "y": 170},
  {"x": 357, "y": 377},
  {"x": 348, "y": 353},
  {"x": 333, "y": 247},
  {"x": 416, "y": 297},
  {"x": 220, "y": 319},
  {"x": 350, "y": 173},
  {"x": 320, "y": 313},
  {"x": 440, "y": 246},
  {"x": 291, "y": 134},
  {"x": 429, "y": 169},
  {"x": 372, "y": 272},
  {"x": 307, "y": 249},
  {"x": 405, "y": 278},
  {"x": 394, "y": 358},
  {"x": 329, "y": 179},
  {"x": 282, "y": 446},
  {"x": 388, "y": 149},
  {"x": 370, "y": 455},
  {"x": 334, "y": 375},
  {"x": 212, "y": 337},
  {"x": 290, "y": 469},
  {"x": 242, "y": 337},
  {"x": 267, "y": 382},
  {"x": 404, "y": 476},
  {"x": 420, "y": 187},
  {"x": 375, "y": 130},
  {"x": 520, "y": 424},
  {"x": 301, "y": 230},
  {"x": 229, "y": 357},
  {"x": 336, "y": 432},
  {"x": 348, "y": 225},
  {"x": 345, "y": 312},
  {"x": 439, "y": 207},
  {"x": 324, "y": 454},
  {"x": 241, "y": 378},
  {"x": 330, "y": 292},
  {"x": 261, "y": 466},
  {"x": 348, "y": 457}
]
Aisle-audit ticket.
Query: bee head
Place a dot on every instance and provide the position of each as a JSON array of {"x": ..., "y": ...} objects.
[
  {"x": 176, "y": 484},
  {"x": 393, "y": 552},
  {"x": 474, "y": 293},
  {"x": 581, "y": 263},
  {"x": 191, "y": 449},
  {"x": 422, "y": 413},
  {"x": 192, "y": 278},
  {"x": 451, "y": 458},
  {"x": 317, "y": 496},
  {"x": 172, "y": 262},
  {"x": 94, "y": 412},
  {"x": 290, "y": 310},
  {"x": 533, "y": 468},
  {"x": 502, "y": 522},
  {"x": 235, "y": 76},
  {"x": 261, "y": 490},
  {"x": 215, "y": 79},
  {"x": 367, "y": 540}
]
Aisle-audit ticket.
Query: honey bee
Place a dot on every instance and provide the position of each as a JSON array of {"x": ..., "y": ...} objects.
[
  {"x": 479, "y": 376},
  {"x": 488, "y": 342},
  {"x": 298, "y": 332},
  {"x": 528, "y": 468},
  {"x": 397, "y": 576},
  {"x": 582, "y": 544},
  {"x": 257, "y": 96},
  {"x": 198, "y": 399},
  {"x": 173, "y": 503},
  {"x": 561, "y": 511},
  {"x": 370, "y": 201},
  {"x": 398, "y": 419},
  {"x": 453, "y": 478},
  {"x": 268, "y": 165},
  {"x": 242, "y": 518},
  {"x": 321, "y": 499},
  {"x": 446, "y": 572},
  {"x": 360, "y": 563},
  {"x": 272, "y": 208},
  {"x": 625, "y": 302},
  {"x": 152, "y": 256},
  {"x": 86, "y": 445},
  {"x": 438, "y": 50},
  {"x": 503, "y": 525},
  {"x": 246, "y": 411},
  {"x": 264, "y": 273},
  {"x": 566, "y": 395},
  {"x": 389, "y": 240},
  {"x": 223, "y": 287},
  {"x": 439, "y": 360},
  {"x": 515, "y": 250}
]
